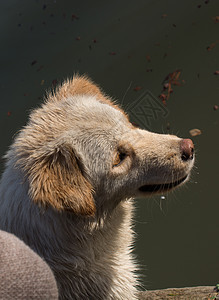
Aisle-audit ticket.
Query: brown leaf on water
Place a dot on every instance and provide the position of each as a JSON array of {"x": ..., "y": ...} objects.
[
  {"x": 163, "y": 98},
  {"x": 195, "y": 132},
  {"x": 74, "y": 17},
  {"x": 172, "y": 79},
  {"x": 211, "y": 46}
]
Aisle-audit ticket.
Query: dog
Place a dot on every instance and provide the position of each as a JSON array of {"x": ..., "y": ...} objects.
[{"x": 68, "y": 187}]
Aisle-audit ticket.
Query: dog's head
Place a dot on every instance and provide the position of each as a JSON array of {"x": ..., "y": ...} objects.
[{"x": 79, "y": 152}]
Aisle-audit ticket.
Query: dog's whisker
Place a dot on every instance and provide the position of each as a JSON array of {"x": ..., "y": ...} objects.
[{"x": 123, "y": 98}]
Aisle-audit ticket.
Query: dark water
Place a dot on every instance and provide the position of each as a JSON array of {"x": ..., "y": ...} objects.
[{"x": 127, "y": 46}]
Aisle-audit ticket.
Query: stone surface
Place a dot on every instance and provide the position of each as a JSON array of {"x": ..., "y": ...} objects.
[{"x": 191, "y": 293}]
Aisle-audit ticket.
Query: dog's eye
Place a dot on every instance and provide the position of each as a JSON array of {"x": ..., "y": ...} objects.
[{"x": 119, "y": 157}]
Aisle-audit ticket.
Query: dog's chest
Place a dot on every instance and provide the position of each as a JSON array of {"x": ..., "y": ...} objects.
[{"x": 100, "y": 262}]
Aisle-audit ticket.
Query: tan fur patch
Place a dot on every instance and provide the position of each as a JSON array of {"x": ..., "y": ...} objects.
[
  {"x": 57, "y": 181},
  {"x": 82, "y": 85}
]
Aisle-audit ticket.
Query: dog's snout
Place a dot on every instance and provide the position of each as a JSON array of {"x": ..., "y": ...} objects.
[{"x": 187, "y": 149}]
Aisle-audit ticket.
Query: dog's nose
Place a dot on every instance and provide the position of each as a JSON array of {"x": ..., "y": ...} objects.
[{"x": 187, "y": 149}]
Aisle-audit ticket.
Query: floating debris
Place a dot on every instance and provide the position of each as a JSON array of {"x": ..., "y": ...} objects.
[
  {"x": 172, "y": 79},
  {"x": 74, "y": 17},
  {"x": 211, "y": 46},
  {"x": 33, "y": 62},
  {"x": 163, "y": 98},
  {"x": 137, "y": 88},
  {"x": 195, "y": 132},
  {"x": 40, "y": 68}
]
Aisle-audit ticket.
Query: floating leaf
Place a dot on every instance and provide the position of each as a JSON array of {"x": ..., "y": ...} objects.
[
  {"x": 195, "y": 132},
  {"x": 211, "y": 46},
  {"x": 170, "y": 80},
  {"x": 74, "y": 17}
]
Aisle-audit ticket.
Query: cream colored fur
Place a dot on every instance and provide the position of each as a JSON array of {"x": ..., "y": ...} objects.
[{"x": 67, "y": 189}]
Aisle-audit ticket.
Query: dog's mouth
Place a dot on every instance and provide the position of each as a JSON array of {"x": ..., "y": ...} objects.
[{"x": 153, "y": 188}]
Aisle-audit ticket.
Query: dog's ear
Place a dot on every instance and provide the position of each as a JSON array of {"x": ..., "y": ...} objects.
[{"x": 57, "y": 179}]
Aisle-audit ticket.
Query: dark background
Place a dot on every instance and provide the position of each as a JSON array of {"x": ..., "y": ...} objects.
[{"x": 129, "y": 47}]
